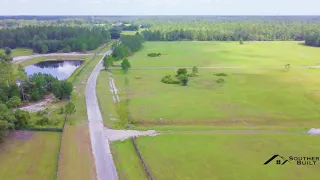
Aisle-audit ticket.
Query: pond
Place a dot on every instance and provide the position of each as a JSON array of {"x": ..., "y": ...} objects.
[{"x": 59, "y": 69}]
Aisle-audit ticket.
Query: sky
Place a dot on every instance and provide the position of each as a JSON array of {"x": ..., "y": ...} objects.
[{"x": 160, "y": 7}]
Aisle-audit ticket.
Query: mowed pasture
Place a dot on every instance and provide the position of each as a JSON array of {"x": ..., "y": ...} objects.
[
  {"x": 226, "y": 54},
  {"x": 19, "y": 52},
  {"x": 227, "y": 156},
  {"x": 249, "y": 97},
  {"x": 29, "y": 155}
]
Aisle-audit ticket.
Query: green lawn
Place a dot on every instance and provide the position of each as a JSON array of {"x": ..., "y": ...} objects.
[
  {"x": 249, "y": 98},
  {"x": 127, "y": 162},
  {"x": 29, "y": 155},
  {"x": 19, "y": 52},
  {"x": 226, "y": 53},
  {"x": 226, "y": 156}
]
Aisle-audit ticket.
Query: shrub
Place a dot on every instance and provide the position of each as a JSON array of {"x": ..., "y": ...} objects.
[
  {"x": 220, "y": 74},
  {"x": 22, "y": 118},
  {"x": 53, "y": 121},
  {"x": 183, "y": 79},
  {"x": 181, "y": 71},
  {"x": 61, "y": 110},
  {"x": 43, "y": 121},
  {"x": 154, "y": 54},
  {"x": 169, "y": 80},
  {"x": 14, "y": 102},
  {"x": 43, "y": 112},
  {"x": 220, "y": 81},
  {"x": 62, "y": 89}
]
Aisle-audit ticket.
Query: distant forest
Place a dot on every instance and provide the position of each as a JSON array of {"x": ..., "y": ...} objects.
[
  {"x": 255, "y": 28},
  {"x": 154, "y": 28},
  {"x": 49, "y": 39}
]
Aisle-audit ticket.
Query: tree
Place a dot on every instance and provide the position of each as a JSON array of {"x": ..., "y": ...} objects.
[
  {"x": 125, "y": 65},
  {"x": 182, "y": 71},
  {"x": 62, "y": 89},
  {"x": 183, "y": 79},
  {"x": 194, "y": 72},
  {"x": 8, "y": 51},
  {"x": 108, "y": 61},
  {"x": 14, "y": 102},
  {"x": 44, "y": 49},
  {"x": 7, "y": 115},
  {"x": 22, "y": 118},
  {"x": 4, "y": 127},
  {"x": 22, "y": 79},
  {"x": 84, "y": 47},
  {"x": 70, "y": 109}
]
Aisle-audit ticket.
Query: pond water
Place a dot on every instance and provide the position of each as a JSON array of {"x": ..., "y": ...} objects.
[{"x": 59, "y": 69}]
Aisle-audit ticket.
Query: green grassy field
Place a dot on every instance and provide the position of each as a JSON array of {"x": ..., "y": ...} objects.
[
  {"x": 29, "y": 155},
  {"x": 226, "y": 53},
  {"x": 127, "y": 162},
  {"x": 19, "y": 52},
  {"x": 226, "y": 156},
  {"x": 249, "y": 97}
]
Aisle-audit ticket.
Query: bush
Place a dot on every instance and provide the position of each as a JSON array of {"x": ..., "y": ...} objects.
[
  {"x": 62, "y": 89},
  {"x": 220, "y": 74},
  {"x": 14, "y": 102},
  {"x": 182, "y": 71},
  {"x": 61, "y": 110},
  {"x": 43, "y": 112},
  {"x": 169, "y": 80},
  {"x": 53, "y": 122},
  {"x": 154, "y": 54},
  {"x": 220, "y": 81},
  {"x": 183, "y": 79},
  {"x": 43, "y": 121},
  {"x": 22, "y": 118}
]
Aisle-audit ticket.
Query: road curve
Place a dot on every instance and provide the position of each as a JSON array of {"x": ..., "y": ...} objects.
[
  {"x": 23, "y": 58},
  {"x": 105, "y": 167}
]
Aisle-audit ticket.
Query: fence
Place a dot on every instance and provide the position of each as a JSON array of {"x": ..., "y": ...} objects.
[{"x": 141, "y": 158}]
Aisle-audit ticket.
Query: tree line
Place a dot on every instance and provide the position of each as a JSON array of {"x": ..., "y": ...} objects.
[
  {"x": 127, "y": 45},
  {"x": 230, "y": 28},
  {"x": 49, "y": 39}
]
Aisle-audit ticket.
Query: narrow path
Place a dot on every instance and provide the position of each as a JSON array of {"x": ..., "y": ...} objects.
[
  {"x": 113, "y": 89},
  {"x": 105, "y": 167},
  {"x": 19, "y": 59},
  {"x": 218, "y": 67}
]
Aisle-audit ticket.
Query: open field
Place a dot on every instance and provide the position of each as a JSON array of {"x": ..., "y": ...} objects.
[
  {"x": 226, "y": 53},
  {"x": 19, "y": 52},
  {"x": 227, "y": 156},
  {"x": 249, "y": 98},
  {"x": 29, "y": 155}
]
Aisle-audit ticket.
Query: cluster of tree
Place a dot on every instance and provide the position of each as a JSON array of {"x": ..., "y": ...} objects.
[
  {"x": 16, "y": 86},
  {"x": 130, "y": 27},
  {"x": 48, "y": 39},
  {"x": 127, "y": 45},
  {"x": 182, "y": 77},
  {"x": 229, "y": 28},
  {"x": 10, "y": 120},
  {"x": 312, "y": 38}
]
